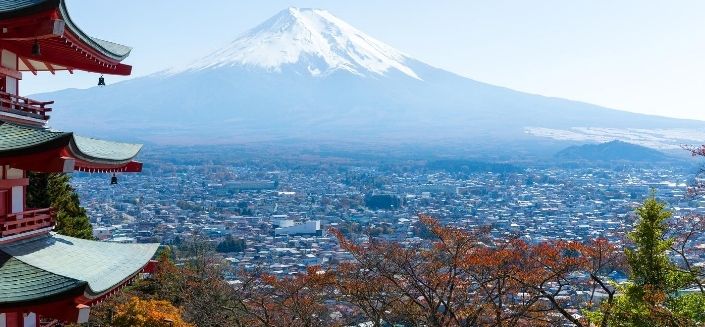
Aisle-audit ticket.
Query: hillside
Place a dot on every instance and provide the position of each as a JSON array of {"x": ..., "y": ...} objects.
[{"x": 611, "y": 151}]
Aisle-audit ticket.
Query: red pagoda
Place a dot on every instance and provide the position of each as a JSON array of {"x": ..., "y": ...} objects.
[{"x": 44, "y": 276}]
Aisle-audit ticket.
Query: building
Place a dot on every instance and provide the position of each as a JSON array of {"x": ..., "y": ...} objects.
[
  {"x": 238, "y": 186},
  {"x": 46, "y": 278},
  {"x": 288, "y": 227}
]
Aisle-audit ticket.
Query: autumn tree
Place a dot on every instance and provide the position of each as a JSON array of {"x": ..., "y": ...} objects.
[
  {"x": 298, "y": 301},
  {"x": 147, "y": 313},
  {"x": 429, "y": 281},
  {"x": 259, "y": 299},
  {"x": 462, "y": 278},
  {"x": 198, "y": 285}
]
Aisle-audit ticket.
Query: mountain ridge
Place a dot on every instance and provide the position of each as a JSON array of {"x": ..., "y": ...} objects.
[
  {"x": 611, "y": 151},
  {"x": 221, "y": 102}
]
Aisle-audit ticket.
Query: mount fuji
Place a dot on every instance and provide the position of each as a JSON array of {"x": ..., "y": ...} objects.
[
  {"x": 306, "y": 75},
  {"x": 311, "y": 41}
]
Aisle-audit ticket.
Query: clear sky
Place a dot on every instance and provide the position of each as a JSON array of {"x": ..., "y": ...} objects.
[{"x": 644, "y": 56}]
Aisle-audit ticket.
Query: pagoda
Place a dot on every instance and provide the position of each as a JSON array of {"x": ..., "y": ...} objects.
[{"x": 45, "y": 278}]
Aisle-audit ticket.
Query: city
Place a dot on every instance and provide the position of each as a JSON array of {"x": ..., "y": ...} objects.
[{"x": 283, "y": 209}]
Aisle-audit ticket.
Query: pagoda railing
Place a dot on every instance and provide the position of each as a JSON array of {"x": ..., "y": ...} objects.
[
  {"x": 26, "y": 221},
  {"x": 18, "y": 105}
]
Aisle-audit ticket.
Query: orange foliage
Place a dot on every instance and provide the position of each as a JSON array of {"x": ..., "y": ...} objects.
[
  {"x": 461, "y": 278},
  {"x": 147, "y": 313},
  {"x": 458, "y": 277},
  {"x": 264, "y": 300}
]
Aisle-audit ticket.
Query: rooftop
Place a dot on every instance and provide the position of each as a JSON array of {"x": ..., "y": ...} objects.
[
  {"x": 89, "y": 154},
  {"x": 55, "y": 264},
  {"x": 64, "y": 45}
]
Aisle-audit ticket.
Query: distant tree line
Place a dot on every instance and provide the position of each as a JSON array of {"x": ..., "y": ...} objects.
[
  {"x": 229, "y": 244},
  {"x": 382, "y": 201},
  {"x": 469, "y": 166}
]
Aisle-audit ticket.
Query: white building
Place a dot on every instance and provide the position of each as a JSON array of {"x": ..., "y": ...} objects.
[{"x": 312, "y": 227}]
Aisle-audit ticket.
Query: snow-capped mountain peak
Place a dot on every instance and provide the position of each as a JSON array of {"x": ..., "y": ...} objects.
[{"x": 309, "y": 40}]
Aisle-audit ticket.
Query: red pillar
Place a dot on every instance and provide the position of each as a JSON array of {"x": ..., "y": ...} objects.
[{"x": 14, "y": 319}]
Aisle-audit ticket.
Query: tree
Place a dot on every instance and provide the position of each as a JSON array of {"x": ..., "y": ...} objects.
[
  {"x": 229, "y": 244},
  {"x": 461, "y": 278},
  {"x": 651, "y": 296},
  {"x": 167, "y": 282},
  {"x": 298, "y": 301},
  {"x": 648, "y": 259},
  {"x": 147, "y": 313},
  {"x": 54, "y": 190}
]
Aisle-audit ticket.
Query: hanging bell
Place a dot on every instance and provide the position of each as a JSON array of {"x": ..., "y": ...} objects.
[
  {"x": 36, "y": 49},
  {"x": 113, "y": 180},
  {"x": 101, "y": 81}
]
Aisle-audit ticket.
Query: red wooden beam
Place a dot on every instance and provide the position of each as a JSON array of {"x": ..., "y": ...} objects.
[
  {"x": 50, "y": 161},
  {"x": 29, "y": 65},
  {"x": 57, "y": 52},
  {"x": 62, "y": 309},
  {"x": 27, "y": 224},
  {"x": 43, "y": 30},
  {"x": 10, "y": 72},
  {"x": 9, "y": 183},
  {"x": 50, "y": 68}
]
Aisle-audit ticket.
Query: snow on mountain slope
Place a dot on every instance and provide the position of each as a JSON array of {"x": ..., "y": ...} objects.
[{"x": 314, "y": 41}]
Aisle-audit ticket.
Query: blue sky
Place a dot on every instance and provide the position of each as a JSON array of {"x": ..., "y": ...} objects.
[{"x": 635, "y": 55}]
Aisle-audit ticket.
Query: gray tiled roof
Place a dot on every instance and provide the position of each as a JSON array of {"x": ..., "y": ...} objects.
[
  {"x": 21, "y": 282},
  {"x": 118, "y": 49},
  {"x": 15, "y": 7},
  {"x": 110, "y": 49},
  {"x": 103, "y": 265},
  {"x": 106, "y": 150},
  {"x": 14, "y": 138}
]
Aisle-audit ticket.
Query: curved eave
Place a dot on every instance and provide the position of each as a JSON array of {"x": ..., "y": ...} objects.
[
  {"x": 89, "y": 167},
  {"x": 103, "y": 152},
  {"x": 24, "y": 285},
  {"x": 113, "y": 50},
  {"x": 69, "y": 50},
  {"x": 22, "y": 8},
  {"x": 104, "y": 266},
  {"x": 65, "y": 53},
  {"x": 93, "y": 296},
  {"x": 38, "y": 149},
  {"x": 16, "y": 140}
]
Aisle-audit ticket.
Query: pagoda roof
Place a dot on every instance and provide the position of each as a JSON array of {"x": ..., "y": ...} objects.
[
  {"x": 21, "y": 282},
  {"x": 14, "y": 6},
  {"x": 90, "y": 154},
  {"x": 18, "y": 139},
  {"x": 55, "y": 265},
  {"x": 67, "y": 47},
  {"x": 96, "y": 150}
]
